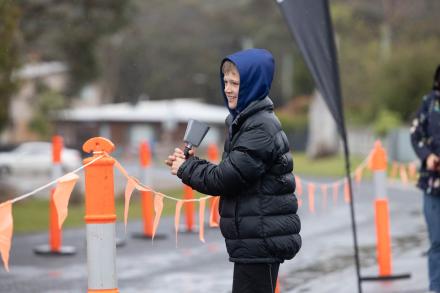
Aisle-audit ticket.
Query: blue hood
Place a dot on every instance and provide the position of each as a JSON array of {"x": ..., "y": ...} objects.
[{"x": 256, "y": 69}]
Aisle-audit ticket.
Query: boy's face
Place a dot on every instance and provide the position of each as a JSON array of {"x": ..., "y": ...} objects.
[{"x": 232, "y": 87}]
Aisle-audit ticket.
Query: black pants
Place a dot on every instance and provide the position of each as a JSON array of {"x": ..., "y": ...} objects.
[{"x": 255, "y": 278}]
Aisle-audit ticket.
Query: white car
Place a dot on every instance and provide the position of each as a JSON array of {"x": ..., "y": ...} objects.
[{"x": 36, "y": 158}]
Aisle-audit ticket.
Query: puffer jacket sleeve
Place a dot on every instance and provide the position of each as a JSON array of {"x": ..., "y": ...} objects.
[
  {"x": 245, "y": 163},
  {"x": 419, "y": 135}
]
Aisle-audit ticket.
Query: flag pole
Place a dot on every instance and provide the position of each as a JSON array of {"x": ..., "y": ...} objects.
[{"x": 352, "y": 212}]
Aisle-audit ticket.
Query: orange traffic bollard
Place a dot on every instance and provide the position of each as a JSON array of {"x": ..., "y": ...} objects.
[
  {"x": 100, "y": 217},
  {"x": 55, "y": 233},
  {"x": 379, "y": 167},
  {"x": 188, "y": 193},
  {"x": 147, "y": 200},
  {"x": 213, "y": 156},
  {"x": 378, "y": 164}
]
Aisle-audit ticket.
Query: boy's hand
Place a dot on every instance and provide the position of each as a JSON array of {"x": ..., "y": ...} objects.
[
  {"x": 178, "y": 154},
  {"x": 432, "y": 162},
  {"x": 176, "y": 165}
]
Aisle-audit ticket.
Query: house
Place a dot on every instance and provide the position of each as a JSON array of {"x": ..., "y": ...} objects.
[
  {"x": 53, "y": 75},
  {"x": 162, "y": 123}
]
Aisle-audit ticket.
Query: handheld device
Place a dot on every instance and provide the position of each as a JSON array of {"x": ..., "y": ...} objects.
[{"x": 194, "y": 134}]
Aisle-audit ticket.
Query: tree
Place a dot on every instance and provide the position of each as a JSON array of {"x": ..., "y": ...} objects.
[
  {"x": 173, "y": 49},
  {"x": 9, "y": 18},
  {"x": 70, "y": 31},
  {"x": 47, "y": 102}
]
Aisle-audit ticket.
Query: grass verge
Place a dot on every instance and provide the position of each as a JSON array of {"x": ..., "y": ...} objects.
[{"x": 32, "y": 215}]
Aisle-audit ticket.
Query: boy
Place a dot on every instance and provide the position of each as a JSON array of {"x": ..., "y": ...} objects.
[{"x": 254, "y": 179}]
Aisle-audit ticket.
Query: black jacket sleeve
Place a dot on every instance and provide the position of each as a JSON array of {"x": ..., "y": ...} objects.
[
  {"x": 419, "y": 135},
  {"x": 246, "y": 162}
]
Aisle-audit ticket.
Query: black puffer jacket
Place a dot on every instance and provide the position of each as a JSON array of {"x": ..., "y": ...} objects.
[{"x": 257, "y": 206}]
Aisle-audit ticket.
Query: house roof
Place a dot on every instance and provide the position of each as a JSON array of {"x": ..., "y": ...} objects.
[
  {"x": 178, "y": 110},
  {"x": 42, "y": 69}
]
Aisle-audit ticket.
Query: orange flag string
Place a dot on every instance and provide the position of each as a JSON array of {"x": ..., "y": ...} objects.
[
  {"x": 347, "y": 195},
  {"x": 412, "y": 170},
  {"x": 311, "y": 190},
  {"x": 158, "y": 207},
  {"x": 358, "y": 175},
  {"x": 62, "y": 194},
  {"x": 403, "y": 174},
  {"x": 120, "y": 168},
  {"x": 394, "y": 169},
  {"x": 213, "y": 216},
  {"x": 131, "y": 185},
  {"x": 324, "y": 195},
  {"x": 6, "y": 227},
  {"x": 179, "y": 204},
  {"x": 298, "y": 185},
  {"x": 298, "y": 189},
  {"x": 335, "y": 192},
  {"x": 202, "y": 206}
]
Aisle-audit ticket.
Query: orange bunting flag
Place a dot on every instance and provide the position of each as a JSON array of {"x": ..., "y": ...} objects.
[
  {"x": 358, "y": 175},
  {"x": 131, "y": 185},
  {"x": 120, "y": 168},
  {"x": 140, "y": 187},
  {"x": 179, "y": 204},
  {"x": 6, "y": 227},
  {"x": 214, "y": 215},
  {"x": 158, "y": 207},
  {"x": 412, "y": 170},
  {"x": 347, "y": 196},
  {"x": 202, "y": 206},
  {"x": 298, "y": 185},
  {"x": 335, "y": 192},
  {"x": 62, "y": 194},
  {"x": 403, "y": 174},
  {"x": 394, "y": 169},
  {"x": 311, "y": 190},
  {"x": 324, "y": 195}
]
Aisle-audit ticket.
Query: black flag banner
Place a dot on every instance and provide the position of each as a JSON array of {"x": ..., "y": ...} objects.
[{"x": 310, "y": 23}]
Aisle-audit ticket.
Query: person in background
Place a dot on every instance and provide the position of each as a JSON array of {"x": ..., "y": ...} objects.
[
  {"x": 425, "y": 139},
  {"x": 258, "y": 207}
]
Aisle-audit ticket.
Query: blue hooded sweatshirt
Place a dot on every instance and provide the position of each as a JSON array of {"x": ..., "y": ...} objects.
[{"x": 256, "y": 69}]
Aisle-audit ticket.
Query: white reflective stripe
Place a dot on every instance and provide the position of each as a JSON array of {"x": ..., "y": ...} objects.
[
  {"x": 57, "y": 171},
  {"x": 380, "y": 184},
  {"x": 101, "y": 256}
]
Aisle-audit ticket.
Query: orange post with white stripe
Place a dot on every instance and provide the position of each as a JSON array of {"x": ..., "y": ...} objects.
[
  {"x": 378, "y": 165},
  {"x": 100, "y": 217},
  {"x": 55, "y": 233}
]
